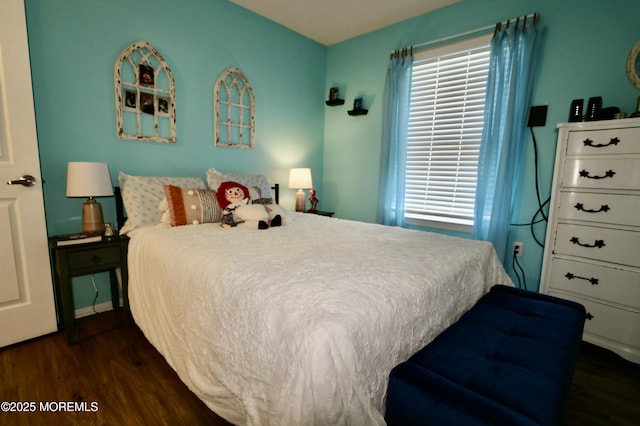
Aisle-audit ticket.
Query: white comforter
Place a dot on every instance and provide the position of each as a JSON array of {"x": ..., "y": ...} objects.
[{"x": 299, "y": 325}]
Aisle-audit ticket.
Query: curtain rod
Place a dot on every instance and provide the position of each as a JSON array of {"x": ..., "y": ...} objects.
[{"x": 535, "y": 17}]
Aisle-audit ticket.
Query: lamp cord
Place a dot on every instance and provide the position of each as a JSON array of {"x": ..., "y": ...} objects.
[{"x": 95, "y": 287}]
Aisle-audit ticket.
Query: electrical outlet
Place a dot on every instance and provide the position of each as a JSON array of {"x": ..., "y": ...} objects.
[{"x": 518, "y": 248}]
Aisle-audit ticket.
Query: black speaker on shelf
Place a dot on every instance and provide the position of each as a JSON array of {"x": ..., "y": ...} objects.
[
  {"x": 593, "y": 108},
  {"x": 575, "y": 113}
]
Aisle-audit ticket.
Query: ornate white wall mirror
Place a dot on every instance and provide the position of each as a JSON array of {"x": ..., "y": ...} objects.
[
  {"x": 234, "y": 121},
  {"x": 145, "y": 95},
  {"x": 633, "y": 65}
]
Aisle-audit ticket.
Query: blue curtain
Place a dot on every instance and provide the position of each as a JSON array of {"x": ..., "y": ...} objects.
[
  {"x": 395, "y": 120},
  {"x": 512, "y": 63}
]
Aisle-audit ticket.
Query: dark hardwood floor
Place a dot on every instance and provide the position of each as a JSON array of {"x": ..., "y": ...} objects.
[
  {"x": 111, "y": 365},
  {"x": 605, "y": 390},
  {"x": 116, "y": 370}
]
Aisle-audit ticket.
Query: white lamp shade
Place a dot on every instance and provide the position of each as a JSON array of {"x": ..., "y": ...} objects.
[
  {"x": 300, "y": 178},
  {"x": 88, "y": 180}
]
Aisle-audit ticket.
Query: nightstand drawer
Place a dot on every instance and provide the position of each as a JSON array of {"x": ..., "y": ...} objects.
[{"x": 93, "y": 256}]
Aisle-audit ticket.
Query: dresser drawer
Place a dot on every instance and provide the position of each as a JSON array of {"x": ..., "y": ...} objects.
[
  {"x": 594, "y": 242},
  {"x": 616, "y": 285},
  {"x": 612, "y": 173},
  {"x": 609, "y": 323},
  {"x": 604, "y": 208},
  {"x": 600, "y": 142}
]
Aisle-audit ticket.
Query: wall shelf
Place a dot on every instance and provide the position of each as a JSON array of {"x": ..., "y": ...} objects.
[
  {"x": 359, "y": 111},
  {"x": 357, "y": 108},
  {"x": 335, "y": 102}
]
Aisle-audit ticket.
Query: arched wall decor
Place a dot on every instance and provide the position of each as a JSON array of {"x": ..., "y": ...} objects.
[
  {"x": 145, "y": 94},
  {"x": 234, "y": 116}
]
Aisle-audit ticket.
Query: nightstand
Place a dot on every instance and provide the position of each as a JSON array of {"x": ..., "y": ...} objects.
[
  {"x": 320, "y": 213},
  {"x": 87, "y": 258}
]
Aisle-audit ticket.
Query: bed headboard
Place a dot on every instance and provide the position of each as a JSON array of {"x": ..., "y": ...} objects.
[{"x": 122, "y": 218}]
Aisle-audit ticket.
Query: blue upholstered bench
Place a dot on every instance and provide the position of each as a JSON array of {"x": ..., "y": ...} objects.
[{"x": 508, "y": 361}]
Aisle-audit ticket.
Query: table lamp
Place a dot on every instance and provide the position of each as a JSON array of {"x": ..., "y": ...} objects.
[
  {"x": 89, "y": 180},
  {"x": 300, "y": 178}
]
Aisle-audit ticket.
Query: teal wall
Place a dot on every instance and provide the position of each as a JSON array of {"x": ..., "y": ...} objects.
[
  {"x": 74, "y": 45},
  {"x": 584, "y": 49}
]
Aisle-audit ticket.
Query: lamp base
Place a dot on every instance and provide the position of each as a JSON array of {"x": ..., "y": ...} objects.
[
  {"x": 301, "y": 204},
  {"x": 92, "y": 221}
]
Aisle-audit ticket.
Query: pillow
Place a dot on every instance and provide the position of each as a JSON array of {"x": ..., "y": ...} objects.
[
  {"x": 142, "y": 194},
  {"x": 191, "y": 206},
  {"x": 215, "y": 178},
  {"x": 255, "y": 193},
  {"x": 211, "y": 211}
]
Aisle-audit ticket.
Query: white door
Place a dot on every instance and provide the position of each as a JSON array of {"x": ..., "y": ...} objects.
[{"x": 27, "y": 307}]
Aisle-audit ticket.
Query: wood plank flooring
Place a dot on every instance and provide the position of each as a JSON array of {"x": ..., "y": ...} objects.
[
  {"x": 117, "y": 369},
  {"x": 111, "y": 365},
  {"x": 605, "y": 390}
]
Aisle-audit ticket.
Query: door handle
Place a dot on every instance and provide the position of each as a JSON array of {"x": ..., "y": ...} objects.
[{"x": 26, "y": 180}]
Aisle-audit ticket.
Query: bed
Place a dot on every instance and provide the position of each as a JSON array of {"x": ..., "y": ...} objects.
[{"x": 298, "y": 324}]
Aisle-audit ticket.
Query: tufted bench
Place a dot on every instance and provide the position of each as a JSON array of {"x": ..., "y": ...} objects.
[{"x": 508, "y": 361}]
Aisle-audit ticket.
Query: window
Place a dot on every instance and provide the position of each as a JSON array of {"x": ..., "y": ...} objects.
[{"x": 445, "y": 128}]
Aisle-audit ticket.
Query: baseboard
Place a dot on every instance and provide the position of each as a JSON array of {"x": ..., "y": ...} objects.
[{"x": 101, "y": 307}]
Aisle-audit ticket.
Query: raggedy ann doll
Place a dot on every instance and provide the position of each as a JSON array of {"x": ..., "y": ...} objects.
[
  {"x": 231, "y": 195},
  {"x": 237, "y": 208}
]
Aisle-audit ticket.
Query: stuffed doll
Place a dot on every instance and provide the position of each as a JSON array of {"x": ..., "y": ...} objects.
[
  {"x": 259, "y": 213},
  {"x": 252, "y": 216},
  {"x": 231, "y": 196},
  {"x": 233, "y": 199}
]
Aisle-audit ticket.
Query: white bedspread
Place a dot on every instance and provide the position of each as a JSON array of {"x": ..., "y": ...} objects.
[{"x": 301, "y": 324}]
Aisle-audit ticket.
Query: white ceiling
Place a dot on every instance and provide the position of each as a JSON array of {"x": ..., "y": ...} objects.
[{"x": 332, "y": 21}]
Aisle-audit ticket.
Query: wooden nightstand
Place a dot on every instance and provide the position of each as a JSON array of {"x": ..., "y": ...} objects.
[
  {"x": 320, "y": 213},
  {"x": 87, "y": 258}
]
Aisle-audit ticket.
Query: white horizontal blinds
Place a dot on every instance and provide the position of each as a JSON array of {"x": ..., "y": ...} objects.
[{"x": 445, "y": 127}]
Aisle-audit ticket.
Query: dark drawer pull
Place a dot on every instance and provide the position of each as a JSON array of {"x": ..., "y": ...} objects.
[
  {"x": 589, "y": 142},
  {"x": 597, "y": 244},
  {"x": 95, "y": 259},
  {"x": 593, "y": 281},
  {"x": 603, "y": 208},
  {"x": 589, "y": 316},
  {"x": 608, "y": 174}
]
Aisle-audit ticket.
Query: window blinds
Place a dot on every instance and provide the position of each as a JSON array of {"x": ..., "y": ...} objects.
[{"x": 445, "y": 128}]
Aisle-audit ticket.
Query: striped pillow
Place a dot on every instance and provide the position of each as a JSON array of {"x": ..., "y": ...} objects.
[{"x": 191, "y": 206}]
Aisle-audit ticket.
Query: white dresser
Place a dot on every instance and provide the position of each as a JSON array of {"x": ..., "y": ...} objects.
[{"x": 592, "y": 250}]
